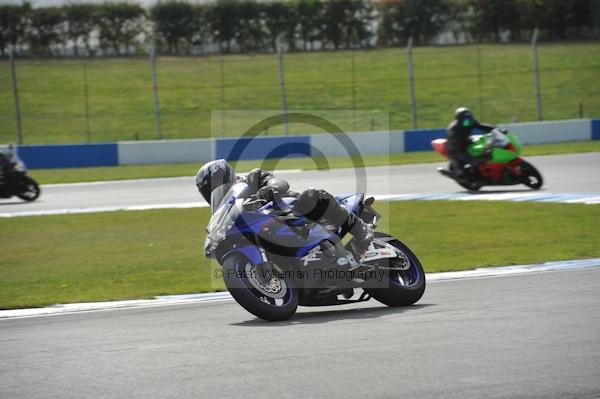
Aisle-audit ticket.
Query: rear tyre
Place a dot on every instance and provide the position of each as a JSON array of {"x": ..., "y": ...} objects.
[
  {"x": 403, "y": 288},
  {"x": 272, "y": 300},
  {"x": 465, "y": 182},
  {"x": 531, "y": 176},
  {"x": 469, "y": 185},
  {"x": 27, "y": 189}
]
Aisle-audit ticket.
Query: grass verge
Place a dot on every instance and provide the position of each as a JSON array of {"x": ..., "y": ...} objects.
[
  {"x": 126, "y": 255},
  {"x": 53, "y": 176}
]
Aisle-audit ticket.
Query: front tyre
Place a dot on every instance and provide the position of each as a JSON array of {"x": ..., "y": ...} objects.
[
  {"x": 272, "y": 297},
  {"x": 530, "y": 176},
  {"x": 404, "y": 287},
  {"x": 27, "y": 189}
]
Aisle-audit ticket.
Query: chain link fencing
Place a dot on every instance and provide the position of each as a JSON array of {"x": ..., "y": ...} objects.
[{"x": 108, "y": 99}]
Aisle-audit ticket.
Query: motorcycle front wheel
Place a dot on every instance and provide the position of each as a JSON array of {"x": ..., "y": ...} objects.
[
  {"x": 531, "y": 177},
  {"x": 28, "y": 189},
  {"x": 402, "y": 287},
  {"x": 267, "y": 294}
]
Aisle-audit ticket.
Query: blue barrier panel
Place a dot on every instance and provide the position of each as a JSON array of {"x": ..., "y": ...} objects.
[
  {"x": 595, "y": 129},
  {"x": 420, "y": 140},
  {"x": 69, "y": 155},
  {"x": 263, "y": 147}
]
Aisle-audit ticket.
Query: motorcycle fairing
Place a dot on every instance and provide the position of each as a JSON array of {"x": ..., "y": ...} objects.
[
  {"x": 352, "y": 202},
  {"x": 278, "y": 234}
]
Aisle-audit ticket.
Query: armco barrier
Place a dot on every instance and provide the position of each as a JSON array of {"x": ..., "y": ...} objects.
[
  {"x": 202, "y": 150},
  {"x": 69, "y": 155}
]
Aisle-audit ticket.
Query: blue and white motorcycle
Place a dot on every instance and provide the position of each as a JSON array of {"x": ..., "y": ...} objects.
[{"x": 274, "y": 260}]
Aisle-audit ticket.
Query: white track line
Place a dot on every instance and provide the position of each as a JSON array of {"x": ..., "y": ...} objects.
[
  {"x": 576, "y": 198},
  {"x": 566, "y": 198},
  {"x": 71, "y": 211},
  {"x": 142, "y": 180},
  {"x": 225, "y": 296}
]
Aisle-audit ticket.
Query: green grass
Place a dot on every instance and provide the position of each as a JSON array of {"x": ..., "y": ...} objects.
[
  {"x": 49, "y": 176},
  {"x": 120, "y": 99},
  {"x": 126, "y": 255}
]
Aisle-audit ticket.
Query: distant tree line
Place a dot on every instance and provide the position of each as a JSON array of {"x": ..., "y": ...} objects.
[{"x": 179, "y": 27}]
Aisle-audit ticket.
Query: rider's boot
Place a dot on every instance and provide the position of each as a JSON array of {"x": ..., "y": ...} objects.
[
  {"x": 322, "y": 207},
  {"x": 362, "y": 232}
]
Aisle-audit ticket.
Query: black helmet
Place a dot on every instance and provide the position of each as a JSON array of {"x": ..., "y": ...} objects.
[
  {"x": 212, "y": 175},
  {"x": 464, "y": 117}
]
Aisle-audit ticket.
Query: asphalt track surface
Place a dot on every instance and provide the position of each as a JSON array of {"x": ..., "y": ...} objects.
[
  {"x": 575, "y": 173},
  {"x": 526, "y": 336}
]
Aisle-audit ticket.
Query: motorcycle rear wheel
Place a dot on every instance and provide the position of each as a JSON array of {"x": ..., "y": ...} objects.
[
  {"x": 275, "y": 302},
  {"x": 28, "y": 189},
  {"x": 467, "y": 181},
  {"x": 469, "y": 185}
]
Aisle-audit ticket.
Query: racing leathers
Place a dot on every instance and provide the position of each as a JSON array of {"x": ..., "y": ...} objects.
[
  {"x": 458, "y": 143},
  {"x": 314, "y": 204}
]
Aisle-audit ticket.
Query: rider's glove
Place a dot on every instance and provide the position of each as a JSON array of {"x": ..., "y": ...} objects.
[
  {"x": 257, "y": 178},
  {"x": 265, "y": 193}
]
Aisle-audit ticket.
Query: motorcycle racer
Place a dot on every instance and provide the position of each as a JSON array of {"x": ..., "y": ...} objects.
[
  {"x": 458, "y": 141},
  {"x": 314, "y": 204}
]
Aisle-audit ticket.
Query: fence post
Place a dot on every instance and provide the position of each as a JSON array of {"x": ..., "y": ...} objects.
[
  {"x": 411, "y": 79},
  {"x": 13, "y": 73},
  {"x": 222, "y": 73},
  {"x": 86, "y": 105},
  {"x": 353, "y": 92},
  {"x": 480, "y": 81},
  {"x": 536, "y": 74},
  {"x": 155, "y": 92},
  {"x": 282, "y": 89}
]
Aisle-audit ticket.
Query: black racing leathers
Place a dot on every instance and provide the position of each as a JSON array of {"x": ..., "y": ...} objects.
[
  {"x": 6, "y": 168},
  {"x": 316, "y": 205},
  {"x": 458, "y": 143}
]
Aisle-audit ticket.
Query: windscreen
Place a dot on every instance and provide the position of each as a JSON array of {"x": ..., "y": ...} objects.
[
  {"x": 223, "y": 193},
  {"x": 218, "y": 195}
]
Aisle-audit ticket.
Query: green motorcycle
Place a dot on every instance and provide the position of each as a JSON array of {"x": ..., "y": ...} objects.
[{"x": 505, "y": 166}]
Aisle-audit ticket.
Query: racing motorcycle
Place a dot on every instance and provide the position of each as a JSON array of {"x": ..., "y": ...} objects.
[
  {"x": 505, "y": 166},
  {"x": 274, "y": 260},
  {"x": 16, "y": 182}
]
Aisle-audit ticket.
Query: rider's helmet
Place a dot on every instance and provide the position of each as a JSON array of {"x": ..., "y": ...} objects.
[
  {"x": 464, "y": 117},
  {"x": 213, "y": 175}
]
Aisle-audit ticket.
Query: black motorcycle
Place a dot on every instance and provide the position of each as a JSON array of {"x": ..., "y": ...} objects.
[{"x": 17, "y": 183}]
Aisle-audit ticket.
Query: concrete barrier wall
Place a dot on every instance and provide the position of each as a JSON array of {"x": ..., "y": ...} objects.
[
  {"x": 235, "y": 149},
  {"x": 596, "y": 129},
  {"x": 420, "y": 140},
  {"x": 529, "y": 133},
  {"x": 167, "y": 151},
  {"x": 552, "y": 132},
  {"x": 68, "y": 155},
  {"x": 203, "y": 150},
  {"x": 332, "y": 145}
]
